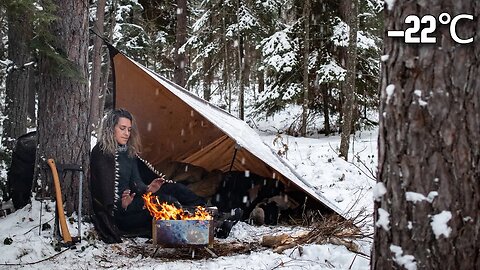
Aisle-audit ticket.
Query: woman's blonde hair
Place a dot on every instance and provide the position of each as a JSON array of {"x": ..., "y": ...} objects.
[{"x": 107, "y": 141}]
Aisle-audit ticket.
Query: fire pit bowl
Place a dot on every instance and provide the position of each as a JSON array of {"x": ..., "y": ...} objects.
[{"x": 182, "y": 233}]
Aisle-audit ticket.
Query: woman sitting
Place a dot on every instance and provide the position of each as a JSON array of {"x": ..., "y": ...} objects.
[{"x": 115, "y": 181}]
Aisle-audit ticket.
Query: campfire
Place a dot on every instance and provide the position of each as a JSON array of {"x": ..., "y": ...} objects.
[
  {"x": 176, "y": 227},
  {"x": 165, "y": 211}
]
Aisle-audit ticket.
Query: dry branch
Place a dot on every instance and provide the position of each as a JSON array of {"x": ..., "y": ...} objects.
[{"x": 334, "y": 230}]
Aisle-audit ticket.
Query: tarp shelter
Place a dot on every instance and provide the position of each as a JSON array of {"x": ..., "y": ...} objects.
[{"x": 176, "y": 125}]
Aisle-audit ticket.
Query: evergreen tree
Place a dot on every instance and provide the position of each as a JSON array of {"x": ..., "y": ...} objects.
[
  {"x": 428, "y": 195},
  {"x": 63, "y": 99},
  {"x": 130, "y": 35},
  {"x": 20, "y": 70}
]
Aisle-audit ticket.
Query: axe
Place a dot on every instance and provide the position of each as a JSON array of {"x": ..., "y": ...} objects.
[{"x": 60, "y": 214}]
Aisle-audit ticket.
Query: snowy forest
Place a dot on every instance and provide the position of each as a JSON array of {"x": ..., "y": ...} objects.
[{"x": 387, "y": 131}]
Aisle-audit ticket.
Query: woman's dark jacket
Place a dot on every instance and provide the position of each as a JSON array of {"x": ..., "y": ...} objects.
[{"x": 110, "y": 175}]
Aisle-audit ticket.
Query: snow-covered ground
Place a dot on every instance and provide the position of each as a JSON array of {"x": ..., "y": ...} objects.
[{"x": 347, "y": 184}]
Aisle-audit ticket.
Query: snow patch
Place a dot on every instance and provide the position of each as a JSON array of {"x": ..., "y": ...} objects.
[
  {"x": 383, "y": 220},
  {"x": 407, "y": 261},
  {"x": 364, "y": 41},
  {"x": 331, "y": 71},
  {"x": 431, "y": 196},
  {"x": 340, "y": 35},
  {"x": 390, "y": 89},
  {"x": 421, "y": 102},
  {"x": 384, "y": 58},
  {"x": 389, "y": 4},
  {"x": 439, "y": 224},
  {"x": 414, "y": 197},
  {"x": 468, "y": 219},
  {"x": 418, "y": 197},
  {"x": 378, "y": 191}
]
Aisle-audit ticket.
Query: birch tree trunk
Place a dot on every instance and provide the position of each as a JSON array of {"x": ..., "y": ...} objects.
[{"x": 427, "y": 208}]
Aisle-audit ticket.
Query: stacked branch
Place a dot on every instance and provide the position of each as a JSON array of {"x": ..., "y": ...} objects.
[{"x": 335, "y": 230}]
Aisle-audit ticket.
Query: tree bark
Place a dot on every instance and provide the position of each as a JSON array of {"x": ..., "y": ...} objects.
[
  {"x": 181, "y": 39},
  {"x": 19, "y": 75},
  {"x": 208, "y": 78},
  {"x": 226, "y": 70},
  {"x": 325, "y": 108},
  {"x": 104, "y": 82},
  {"x": 306, "y": 52},
  {"x": 429, "y": 143},
  {"x": 350, "y": 13},
  {"x": 64, "y": 101},
  {"x": 95, "y": 85},
  {"x": 241, "y": 63},
  {"x": 261, "y": 75}
]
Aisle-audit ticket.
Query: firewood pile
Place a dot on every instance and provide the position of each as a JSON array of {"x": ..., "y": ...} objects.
[{"x": 333, "y": 230}]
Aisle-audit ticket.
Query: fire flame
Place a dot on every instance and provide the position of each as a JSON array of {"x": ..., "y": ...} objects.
[{"x": 165, "y": 211}]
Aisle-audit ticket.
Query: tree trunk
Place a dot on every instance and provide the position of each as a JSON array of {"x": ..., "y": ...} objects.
[
  {"x": 306, "y": 52},
  {"x": 350, "y": 13},
  {"x": 429, "y": 146},
  {"x": 247, "y": 61},
  {"x": 241, "y": 63},
  {"x": 241, "y": 86},
  {"x": 226, "y": 72},
  {"x": 32, "y": 97},
  {"x": 208, "y": 78},
  {"x": 261, "y": 75},
  {"x": 106, "y": 69},
  {"x": 326, "y": 111},
  {"x": 63, "y": 97},
  {"x": 20, "y": 33},
  {"x": 95, "y": 86},
  {"x": 181, "y": 39}
]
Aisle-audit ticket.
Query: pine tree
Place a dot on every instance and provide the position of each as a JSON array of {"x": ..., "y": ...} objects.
[
  {"x": 427, "y": 197},
  {"x": 20, "y": 71},
  {"x": 63, "y": 99}
]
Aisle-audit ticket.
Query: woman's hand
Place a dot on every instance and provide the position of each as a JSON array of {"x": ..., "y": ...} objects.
[
  {"x": 155, "y": 185},
  {"x": 127, "y": 198}
]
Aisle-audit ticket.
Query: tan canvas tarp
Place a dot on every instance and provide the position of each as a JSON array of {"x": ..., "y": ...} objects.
[{"x": 177, "y": 125}]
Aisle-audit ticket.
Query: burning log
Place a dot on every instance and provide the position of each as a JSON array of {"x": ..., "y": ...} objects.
[{"x": 175, "y": 227}]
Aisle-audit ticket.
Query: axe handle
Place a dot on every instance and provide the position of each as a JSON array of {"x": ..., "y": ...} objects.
[{"x": 67, "y": 238}]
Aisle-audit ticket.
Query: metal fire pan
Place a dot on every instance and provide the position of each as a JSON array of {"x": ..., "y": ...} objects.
[{"x": 182, "y": 233}]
